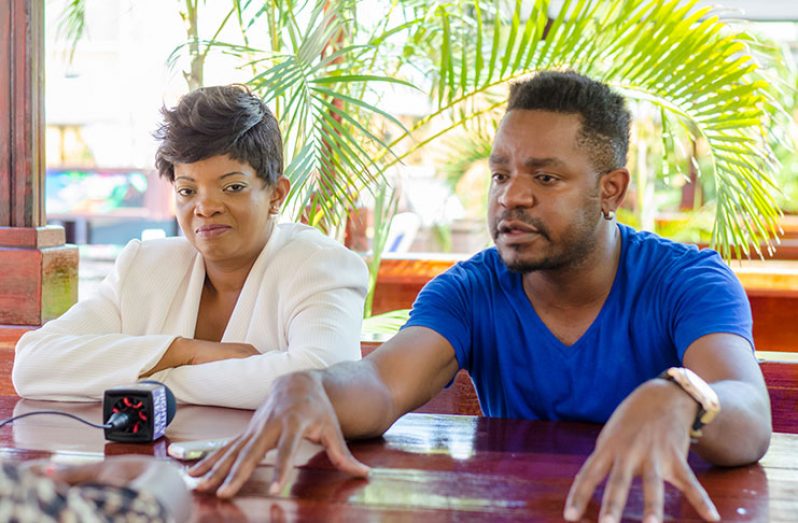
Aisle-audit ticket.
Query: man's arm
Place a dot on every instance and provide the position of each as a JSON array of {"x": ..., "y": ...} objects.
[
  {"x": 357, "y": 399},
  {"x": 741, "y": 433},
  {"x": 648, "y": 434}
]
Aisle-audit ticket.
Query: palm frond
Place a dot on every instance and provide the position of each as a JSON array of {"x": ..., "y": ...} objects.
[{"x": 700, "y": 73}]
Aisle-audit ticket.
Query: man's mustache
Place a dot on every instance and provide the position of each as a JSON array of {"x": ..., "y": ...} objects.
[{"x": 518, "y": 215}]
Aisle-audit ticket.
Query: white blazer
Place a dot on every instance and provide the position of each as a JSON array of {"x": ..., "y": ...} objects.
[{"x": 301, "y": 307}]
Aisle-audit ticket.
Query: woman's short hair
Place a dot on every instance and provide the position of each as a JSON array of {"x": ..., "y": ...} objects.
[{"x": 221, "y": 120}]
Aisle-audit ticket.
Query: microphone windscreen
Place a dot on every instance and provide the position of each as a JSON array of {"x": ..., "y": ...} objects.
[
  {"x": 138, "y": 412},
  {"x": 171, "y": 404}
]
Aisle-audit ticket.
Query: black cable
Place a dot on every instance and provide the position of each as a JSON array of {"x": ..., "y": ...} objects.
[{"x": 55, "y": 412}]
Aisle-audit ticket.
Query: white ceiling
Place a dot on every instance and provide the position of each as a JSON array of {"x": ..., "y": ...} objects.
[{"x": 771, "y": 10}]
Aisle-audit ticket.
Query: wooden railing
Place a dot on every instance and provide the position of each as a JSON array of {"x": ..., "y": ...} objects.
[{"x": 772, "y": 289}]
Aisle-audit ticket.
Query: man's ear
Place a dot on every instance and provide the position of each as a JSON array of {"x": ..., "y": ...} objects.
[{"x": 613, "y": 186}]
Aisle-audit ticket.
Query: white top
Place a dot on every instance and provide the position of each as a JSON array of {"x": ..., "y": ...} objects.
[{"x": 301, "y": 306}]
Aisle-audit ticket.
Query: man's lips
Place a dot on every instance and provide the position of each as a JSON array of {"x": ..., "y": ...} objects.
[
  {"x": 210, "y": 230},
  {"x": 515, "y": 227}
]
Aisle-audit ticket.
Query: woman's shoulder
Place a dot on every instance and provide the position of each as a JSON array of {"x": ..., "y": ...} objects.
[
  {"x": 302, "y": 240},
  {"x": 173, "y": 251}
]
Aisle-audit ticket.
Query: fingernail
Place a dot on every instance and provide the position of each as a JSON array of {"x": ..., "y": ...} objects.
[
  {"x": 571, "y": 514},
  {"x": 715, "y": 515},
  {"x": 651, "y": 519},
  {"x": 274, "y": 489},
  {"x": 608, "y": 519}
]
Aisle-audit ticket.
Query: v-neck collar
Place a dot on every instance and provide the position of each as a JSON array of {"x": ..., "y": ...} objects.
[
  {"x": 524, "y": 305},
  {"x": 238, "y": 324}
]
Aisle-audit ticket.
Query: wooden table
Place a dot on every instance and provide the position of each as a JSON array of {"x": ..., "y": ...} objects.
[{"x": 426, "y": 468}]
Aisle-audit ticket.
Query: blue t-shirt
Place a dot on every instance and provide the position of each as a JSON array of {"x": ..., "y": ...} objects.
[{"x": 665, "y": 296}]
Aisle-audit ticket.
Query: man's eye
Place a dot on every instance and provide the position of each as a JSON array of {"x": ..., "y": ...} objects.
[
  {"x": 498, "y": 177},
  {"x": 184, "y": 191},
  {"x": 546, "y": 179}
]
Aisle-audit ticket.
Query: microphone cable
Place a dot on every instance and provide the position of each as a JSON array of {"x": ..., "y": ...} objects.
[{"x": 113, "y": 423}]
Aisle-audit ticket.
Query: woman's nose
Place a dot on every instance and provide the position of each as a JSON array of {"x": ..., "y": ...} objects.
[{"x": 207, "y": 204}]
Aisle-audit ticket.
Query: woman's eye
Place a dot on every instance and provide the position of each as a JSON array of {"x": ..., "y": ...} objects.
[
  {"x": 184, "y": 191},
  {"x": 235, "y": 187}
]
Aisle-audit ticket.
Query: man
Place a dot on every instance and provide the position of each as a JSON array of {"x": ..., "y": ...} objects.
[{"x": 571, "y": 316}]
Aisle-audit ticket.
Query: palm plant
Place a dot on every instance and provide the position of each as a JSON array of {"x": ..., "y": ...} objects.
[{"x": 321, "y": 66}]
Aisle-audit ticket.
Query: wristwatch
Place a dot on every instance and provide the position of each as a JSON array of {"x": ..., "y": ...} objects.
[{"x": 699, "y": 390}]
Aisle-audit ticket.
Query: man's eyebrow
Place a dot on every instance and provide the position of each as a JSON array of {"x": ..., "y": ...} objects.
[
  {"x": 500, "y": 159},
  {"x": 543, "y": 162}
]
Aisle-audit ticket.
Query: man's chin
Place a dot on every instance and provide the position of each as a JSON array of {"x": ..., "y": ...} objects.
[{"x": 516, "y": 263}]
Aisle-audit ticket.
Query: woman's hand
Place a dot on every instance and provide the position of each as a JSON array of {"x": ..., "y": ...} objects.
[{"x": 186, "y": 351}]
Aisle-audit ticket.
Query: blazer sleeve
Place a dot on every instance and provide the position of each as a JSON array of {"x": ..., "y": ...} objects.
[
  {"x": 81, "y": 354},
  {"x": 322, "y": 307}
]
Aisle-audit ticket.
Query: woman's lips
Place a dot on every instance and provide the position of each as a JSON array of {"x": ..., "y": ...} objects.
[{"x": 211, "y": 231}]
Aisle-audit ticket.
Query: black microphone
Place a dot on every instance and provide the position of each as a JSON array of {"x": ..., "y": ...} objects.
[{"x": 138, "y": 413}]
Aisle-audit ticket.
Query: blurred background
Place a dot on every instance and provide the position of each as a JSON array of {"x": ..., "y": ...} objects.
[{"x": 412, "y": 110}]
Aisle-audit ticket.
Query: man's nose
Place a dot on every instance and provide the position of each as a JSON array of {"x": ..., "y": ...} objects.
[{"x": 516, "y": 193}]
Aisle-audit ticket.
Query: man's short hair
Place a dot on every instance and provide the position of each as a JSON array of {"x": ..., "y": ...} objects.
[
  {"x": 222, "y": 120},
  {"x": 605, "y": 118}
]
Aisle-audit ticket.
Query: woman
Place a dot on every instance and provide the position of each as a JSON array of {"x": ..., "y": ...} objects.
[{"x": 219, "y": 314}]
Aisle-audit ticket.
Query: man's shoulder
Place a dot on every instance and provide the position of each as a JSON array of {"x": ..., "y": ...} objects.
[
  {"x": 646, "y": 248},
  {"x": 480, "y": 270},
  {"x": 484, "y": 263}
]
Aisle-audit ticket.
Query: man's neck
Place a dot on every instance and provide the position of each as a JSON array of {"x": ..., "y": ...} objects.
[{"x": 582, "y": 285}]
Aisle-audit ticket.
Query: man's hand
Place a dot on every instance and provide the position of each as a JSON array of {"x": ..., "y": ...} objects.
[
  {"x": 648, "y": 435},
  {"x": 297, "y": 408},
  {"x": 185, "y": 351}
]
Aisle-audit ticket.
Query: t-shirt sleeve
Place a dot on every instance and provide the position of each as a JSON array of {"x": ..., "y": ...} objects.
[
  {"x": 709, "y": 299},
  {"x": 442, "y": 306}
]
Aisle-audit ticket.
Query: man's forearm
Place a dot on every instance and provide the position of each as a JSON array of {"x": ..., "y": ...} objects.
[
  {"x": 362, "y": 402},
  {"x": 741, "y": 432}
]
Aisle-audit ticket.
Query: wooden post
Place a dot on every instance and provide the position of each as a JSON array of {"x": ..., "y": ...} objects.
[{"x": 38, "y": 272}]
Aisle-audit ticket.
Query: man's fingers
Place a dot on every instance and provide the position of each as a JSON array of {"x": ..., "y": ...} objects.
[
  {"x": 221, "y": 465},
  {"x": 590, "y": 475},
  {"x": 286, "y": 448},
  {"x": 339, "y": 453},
  {"x": 685, "y": 480},
  {"x": 203, "y": 466},
  {"x": 246, "y": 459},
  {"x": 615, "y": 493},
  {"x": 653, "y": 493}
]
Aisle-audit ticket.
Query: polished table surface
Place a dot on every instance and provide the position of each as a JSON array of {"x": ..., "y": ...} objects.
[{"x": 427, "y": 467}]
